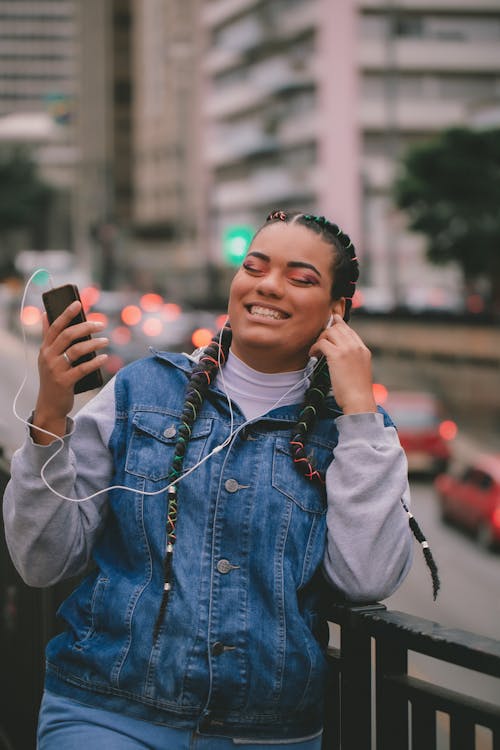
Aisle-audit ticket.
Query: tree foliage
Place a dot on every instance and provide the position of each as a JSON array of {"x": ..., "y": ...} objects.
[
  {"x": 24, "y": 197},
  {"x": 450, "y": 189}
]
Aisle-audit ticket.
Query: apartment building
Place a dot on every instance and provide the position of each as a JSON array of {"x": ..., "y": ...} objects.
[
  {"x": 104, "y": 197},
  {"x": 37, "y": 57},
  {"x": 38, "y": 82},
  {"x": 166, "y": 141},
  {"x": 310, "y": 103}
]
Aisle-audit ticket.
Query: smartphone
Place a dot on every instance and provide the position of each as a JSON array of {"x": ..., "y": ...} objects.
[{"x": 55, "y": 302}]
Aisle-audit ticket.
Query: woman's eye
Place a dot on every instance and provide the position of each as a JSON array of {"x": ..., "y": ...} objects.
[
  {"x": 303, "y": 282},
  {"x": 251, "y": 268}
]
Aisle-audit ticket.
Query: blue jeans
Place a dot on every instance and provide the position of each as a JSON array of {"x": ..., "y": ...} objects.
[{"x": 65, "y": 724}]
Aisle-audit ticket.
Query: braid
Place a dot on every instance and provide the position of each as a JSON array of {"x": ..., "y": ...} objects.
[
  {"x": 429, "y": 559},
  {"x": 345, "y": 276},
  {"x": 314, "y": 397},
  {"x": 201, "y": 377}
]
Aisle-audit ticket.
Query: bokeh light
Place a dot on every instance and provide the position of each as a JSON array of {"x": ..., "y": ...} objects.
[
  {"x": 121, "y": 335},
  {"x": 448, "y": 429},
  {"x": 41, "y": 278},
  {"x": 31, "y": 315},
  {"x": 131, "y": 315},
  {"x": 152, "y": 327},
  {"x": 89, "y": 296},
  {"x": 98, "y": 317},
  {"x": 170, "y": 311},
  {"x": 151, "y": 302},
  {"x": 201, "y": 337}
]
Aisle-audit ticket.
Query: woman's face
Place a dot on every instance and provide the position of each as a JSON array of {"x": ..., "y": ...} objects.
[{"x": 279, "y": 300}]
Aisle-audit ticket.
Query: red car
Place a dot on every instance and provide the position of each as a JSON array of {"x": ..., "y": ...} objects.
[
  {"x": 470, "y": 496},
  {"x": 423, "y": 432}
]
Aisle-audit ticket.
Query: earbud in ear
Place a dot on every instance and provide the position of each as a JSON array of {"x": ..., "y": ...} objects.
[{"x": 329, "y": 321}]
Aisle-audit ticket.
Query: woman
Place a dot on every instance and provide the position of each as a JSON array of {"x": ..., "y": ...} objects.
[{"x": 200, "y": 621}]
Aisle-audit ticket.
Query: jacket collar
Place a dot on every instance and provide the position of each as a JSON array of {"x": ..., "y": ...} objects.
[{"x": 289, "y": 413}]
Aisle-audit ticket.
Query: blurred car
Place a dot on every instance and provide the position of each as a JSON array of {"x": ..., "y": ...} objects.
[
  {"x": 424, "y": 433},
  {"x": 470, "y": 496}
]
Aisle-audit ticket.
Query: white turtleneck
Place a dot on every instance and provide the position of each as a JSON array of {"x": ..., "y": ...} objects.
[{"x": 258, "y": 392}]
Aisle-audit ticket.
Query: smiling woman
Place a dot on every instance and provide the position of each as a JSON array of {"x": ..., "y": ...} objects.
[
  {"x": 280, "y": 299},
  {"x": 222, "y": 498}
]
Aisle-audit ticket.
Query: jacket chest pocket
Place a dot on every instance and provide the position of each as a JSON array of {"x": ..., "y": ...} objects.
[
  {"x": 152, "y": 444},
  {"x": 307, "y": 495}
]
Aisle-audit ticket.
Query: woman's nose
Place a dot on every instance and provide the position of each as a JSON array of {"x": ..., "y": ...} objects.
[{"x": 272, "y": 284}]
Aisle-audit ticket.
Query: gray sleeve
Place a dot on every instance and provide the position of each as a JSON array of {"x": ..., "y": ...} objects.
[
  {"x": 49, "y": 538},
  {"x": 369, "y": 543}
]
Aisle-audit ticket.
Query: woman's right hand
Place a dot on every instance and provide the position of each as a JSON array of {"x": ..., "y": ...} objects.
[{"x": 57, "y": 375}]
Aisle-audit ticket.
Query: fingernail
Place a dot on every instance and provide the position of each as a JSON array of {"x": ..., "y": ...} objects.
[{"x": 97, "y": 323}]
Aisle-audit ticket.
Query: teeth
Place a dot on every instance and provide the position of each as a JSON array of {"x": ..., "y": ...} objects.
[{"x": 266, "y": 312}]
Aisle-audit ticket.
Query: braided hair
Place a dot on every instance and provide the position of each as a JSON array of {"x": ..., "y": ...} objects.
[{"x": 345, "y": 274}]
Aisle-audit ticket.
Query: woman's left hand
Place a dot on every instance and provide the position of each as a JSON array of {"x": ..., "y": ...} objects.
[{"x": 349, "y": 362}]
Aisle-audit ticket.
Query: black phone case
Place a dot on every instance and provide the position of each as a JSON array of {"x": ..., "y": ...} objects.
[{"x": 55, "y": 302}]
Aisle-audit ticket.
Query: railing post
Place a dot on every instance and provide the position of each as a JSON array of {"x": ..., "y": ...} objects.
[
  {"x": 356, "y": 682},
  {"x": 331, "y": 727},
  {"x": 392, "y": 705},
  {"x": 423, "y": 726},
  {"x": 462, "y": 733}
]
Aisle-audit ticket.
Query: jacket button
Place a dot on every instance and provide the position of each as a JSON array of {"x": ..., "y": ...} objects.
[
  {"x": 169, "y": 432},
  {"x": 217, "y": 648},
  {"x": 231, "y": 485},
  {"x": 224, "y": 566}
]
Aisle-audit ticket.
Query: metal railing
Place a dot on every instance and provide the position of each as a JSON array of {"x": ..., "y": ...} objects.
[{"x": 373, "y": 701}]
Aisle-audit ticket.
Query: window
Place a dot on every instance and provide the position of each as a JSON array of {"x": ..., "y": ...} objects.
[{"x": 408, "y": 26}]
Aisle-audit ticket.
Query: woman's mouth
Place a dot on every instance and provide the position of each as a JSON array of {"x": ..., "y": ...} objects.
[{"x": 259, "y": 311}]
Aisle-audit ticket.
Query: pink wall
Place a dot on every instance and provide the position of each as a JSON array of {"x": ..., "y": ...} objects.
[{"x": 339, "y": 143}]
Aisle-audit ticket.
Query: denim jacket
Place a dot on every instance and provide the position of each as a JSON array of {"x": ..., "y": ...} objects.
[{"x": 241, "y": 651}]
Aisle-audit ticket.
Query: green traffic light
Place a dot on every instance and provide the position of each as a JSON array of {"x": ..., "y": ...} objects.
[
  {"x": 41, "y": 278},
  {"x": 235, "y": 243}
]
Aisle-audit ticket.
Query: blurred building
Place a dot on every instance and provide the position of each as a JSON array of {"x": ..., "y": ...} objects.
[
  {"x": 167, "y": 142},
  {"x": 38, "y": 87},
  {"x": 138, "y": 204},
  {"x": 103, "y": 205},
  {"x": 309, "y": 104}
]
